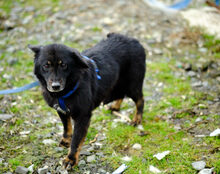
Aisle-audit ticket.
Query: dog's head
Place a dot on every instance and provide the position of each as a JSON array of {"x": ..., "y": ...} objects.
[{"x": 56, "y": 66}]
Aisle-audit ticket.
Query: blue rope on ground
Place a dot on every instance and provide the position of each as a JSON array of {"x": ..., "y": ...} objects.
[
  {"x": 180, "y": 5},
  {"x": 177, "y": 6},
  {"x": 20, "y": 89}
]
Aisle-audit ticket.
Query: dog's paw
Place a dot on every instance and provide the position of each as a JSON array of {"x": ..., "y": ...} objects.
[
  {"x": 69, "y": 163},
  {"x": 136, "y": 122},
  {"x": 65, "y": 142}
]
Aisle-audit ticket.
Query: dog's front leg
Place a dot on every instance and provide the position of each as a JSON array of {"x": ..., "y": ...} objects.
[
  {"x": 80, "y": 130},
  {"x": 67, "y": 129}
]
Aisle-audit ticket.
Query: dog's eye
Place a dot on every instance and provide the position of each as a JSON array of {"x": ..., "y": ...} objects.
[{"x": 63, "y": 65}]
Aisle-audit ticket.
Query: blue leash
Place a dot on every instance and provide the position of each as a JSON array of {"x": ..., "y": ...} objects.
[
  {"x": 20, "y": 89},
  {"x": 177, "y": 6}
]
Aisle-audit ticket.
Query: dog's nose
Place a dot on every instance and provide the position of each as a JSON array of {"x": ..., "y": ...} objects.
[{"x": 55, "y": 85}]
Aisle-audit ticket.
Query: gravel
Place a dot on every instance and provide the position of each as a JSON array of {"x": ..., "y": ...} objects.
[{"x": 21, "y": 170}]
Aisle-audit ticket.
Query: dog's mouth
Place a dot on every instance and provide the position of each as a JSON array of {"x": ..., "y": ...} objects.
[{"x": 55, "y": 87}]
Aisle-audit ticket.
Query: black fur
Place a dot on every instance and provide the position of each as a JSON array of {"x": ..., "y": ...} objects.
[{"x": 121, "y": 64}]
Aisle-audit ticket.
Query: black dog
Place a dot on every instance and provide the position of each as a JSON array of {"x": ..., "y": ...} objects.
[{"x": 75, "y": 84}]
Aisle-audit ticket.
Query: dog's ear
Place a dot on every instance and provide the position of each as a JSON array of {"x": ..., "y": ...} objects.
[
  {"x": 35, "y": 48},
  {"x": 81, "y": 61}
]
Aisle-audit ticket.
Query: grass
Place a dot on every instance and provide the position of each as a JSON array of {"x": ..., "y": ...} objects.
[{"x": 31, "y": 113}]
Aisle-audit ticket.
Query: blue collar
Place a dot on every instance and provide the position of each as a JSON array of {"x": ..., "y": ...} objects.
[{"x": 61, "y": 99}]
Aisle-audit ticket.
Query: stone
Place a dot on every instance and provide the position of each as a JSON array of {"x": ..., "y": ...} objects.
[
  {"x": 84, "y": 152},
  {"x": 31, "y": 168},
  {"x": 49, "y": 141},
  {"x": 82, "y": 163},
  {"x": 198, "y": 120},
  {"x": 197, "y": 84},
  {"x": 206, "y": 171},
  {"x": 203, "y": 50},
  {"x": 7, "y": 76},
  {"x": 21, "y": 170},
  {"x": 137, "y": 146},
  {"x": 5, "y": 117},
  {"x": 160, "y": 156},
  {"x": 198, "y": 165},
  {"x": 191, "y": 74},
  {"x": 59, "y": 149},
  {"x": 140, "y": 127},
  {"x": 215, "y": 133},
  {"x": 12, "y": 61},
  {"x": 158, "y": 51},
  {"x": 154, "y": 169},
  {"x": 127, "y": 158},
  {"x": 43, "y": 170},
  {"x": 91, "y": 158},
  {"x": 121, "y": 169},
  {"x": 101, "y": 171}
]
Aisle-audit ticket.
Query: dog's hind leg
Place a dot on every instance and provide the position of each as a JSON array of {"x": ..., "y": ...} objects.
[
  {"x": 67, "y": 130},
  {"x": 116, "y": 105},
  {"x": 139, "y": 111}
]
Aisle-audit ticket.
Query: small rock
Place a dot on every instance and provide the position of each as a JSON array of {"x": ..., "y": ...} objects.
[
  {"x": 27, "y": 20},
  {"x": 12, "y": 61},
  {"x": 8, "y": 25},
  {"x": 102, "y": 171},
  {"x": 120, "y": 170},
  {"x": 191, "y": 74},
  {"x": 5, "y": 117},
  {"x": 49, "y": 141},
  {"x": 91, "y": 158},
  {"x": 43, "y": 170},
  {"x": 84, "y": 152},
  {"x": 200, "y": 136},
  {"x": 127, "y": 158},
  {"x": 215, "y": 133},
  {"x": 140, "y": 127},
  {"x": 197, "y": 84},
  {"x": 21, "y": 170},
  {"x": 31, "y": 168},
  {"x": 100, "y": 154},
  {"x": 137, "y": 146},
  {"x": 8, "y": 77},
  {"x": 59, "y": 149},
  {"x": 82, "y": 163},
  {"x": 203, "y": 50},
  {"x": 198, "y": 165},
  {"x": 30, "y": 8},
  {"x": 154, "y": 169},
  {"x": 198, "y": 120},
  {"x": 160, "y": 156},
  {"x": 158, "y": 51},
  {"x": 24, "y": 132},
  {"x": 206, "y": 171},
  {"x": 177, "y": 127}
]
